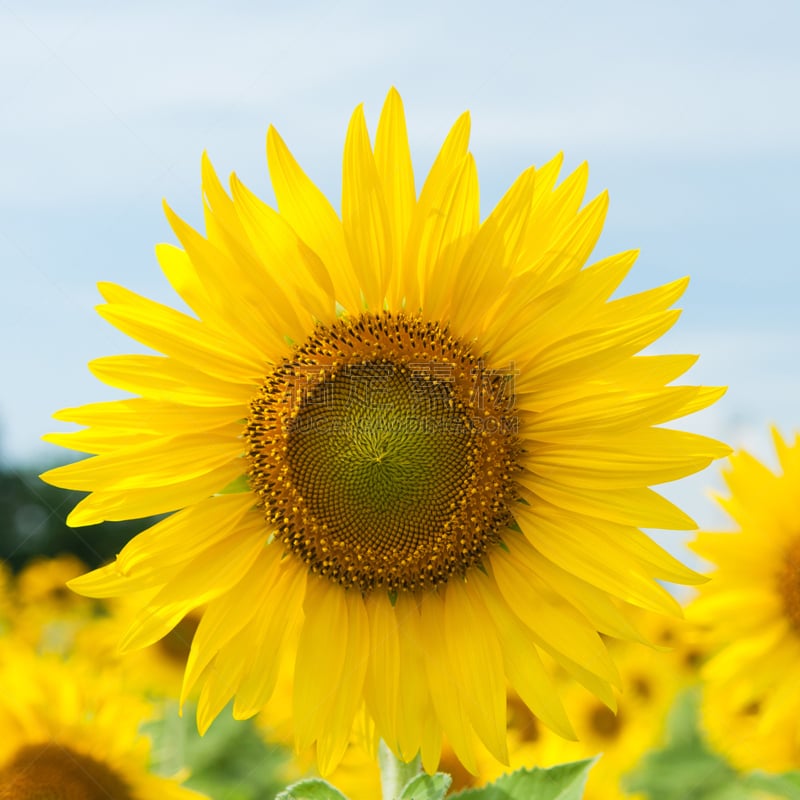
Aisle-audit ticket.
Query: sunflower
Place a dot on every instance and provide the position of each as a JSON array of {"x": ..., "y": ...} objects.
[
  {"x": 751, "y": 614},
  {"x": 71, "y": 731},
  {"x": 46, "y": 613},
  {"x": 405, "y": 449}
]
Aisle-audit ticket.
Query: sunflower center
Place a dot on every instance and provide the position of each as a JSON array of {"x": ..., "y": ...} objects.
[
  {"x": 789, "y": 584},
  {"x": 604, "y": 723},
  {"x": 51, "y": 772},
  {"x": 383, "y": 452}
]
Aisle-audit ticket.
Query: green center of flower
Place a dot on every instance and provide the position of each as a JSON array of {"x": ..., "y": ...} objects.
[
  {"x": 51, "y": 772},
  {"x": 789, "y": 583},
  {"x": 383, "y": 453}
]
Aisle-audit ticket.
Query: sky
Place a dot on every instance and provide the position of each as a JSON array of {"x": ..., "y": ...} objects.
[{"x": 687, "y": 112}]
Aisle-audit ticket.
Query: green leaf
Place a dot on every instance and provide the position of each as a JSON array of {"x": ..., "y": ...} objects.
[
  {"x": 311, "y": 789},
  {"x": 237, "y": 486},
  {"x": 688, "y": 769},
  {"x": 562, "y": 782},
  {"x": 426, "y": 787},
  {"x": 231, "y": 761},
  {"x": 785, "y": 786}
]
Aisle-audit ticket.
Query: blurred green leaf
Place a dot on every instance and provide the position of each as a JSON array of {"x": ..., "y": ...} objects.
[
  {"x": 427, "y": 787},
  {"x": 786, "y": 787},
  {"x": 562, "y": 782},
  {"x": 231, "y": 762},
  {"x": 311, "y": 789},
  {"x": 686, "y": 768}
]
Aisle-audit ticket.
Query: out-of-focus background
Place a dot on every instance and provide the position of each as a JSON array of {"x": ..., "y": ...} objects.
[{"x": 687, "y": 112}]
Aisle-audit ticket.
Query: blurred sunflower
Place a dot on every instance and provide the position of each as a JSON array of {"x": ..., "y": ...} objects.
[
  {"x": 416, "y": 444},
  {"x": 751, "y": 615},
  {"x": 47, "y": 614},
  {"x": 71, "y": 731}
]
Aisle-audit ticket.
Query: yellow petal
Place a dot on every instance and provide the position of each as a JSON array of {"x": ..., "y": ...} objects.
[
  {"x": 427, "y": 213},
  {"x": 308, "y": 211},
  {"x": 211, "y": 574},
  {"x": 323, "y": 641},
  {"x": 445, "y": 237},
  {"x": 573, "y": 546},
  {"x": 365, "y": 218},
  {"x": 278, "y": 617},
  {"x": 158, "y": 462},
  {"x": 414, "y": 704},
  {"x": 523, "y": 665},
  {"x": 142, "y": 415},
  {"x": 226, "y": 616},
  {"x": 477, "y": 665},
  {"x": 119, "y": 505},
  {"x": 444, "y": 691},
  {"x": 393, "y": 162},
  {"x": 294, "y": 277},
  {"x": 179, "y": 336},
  {"x": 336, "y": 734},
  {"x": 491, "y": 257},
  {"x": 551, "y": 621},
  {"x": 169, "y": 380},
  {"x": 382, "y": 681}
]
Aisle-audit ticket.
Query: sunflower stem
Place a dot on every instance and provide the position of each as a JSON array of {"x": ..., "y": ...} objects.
[{"x": 395, "y": 774}]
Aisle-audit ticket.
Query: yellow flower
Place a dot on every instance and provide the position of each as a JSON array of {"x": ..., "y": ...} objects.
[
  {"x": 405, "y": 449},
  {"x": 71, "y": 730},
  {"x": 47, "y": 614},
  {"x": 43, "y": 581},
  {"x": 751, "y": 612}
]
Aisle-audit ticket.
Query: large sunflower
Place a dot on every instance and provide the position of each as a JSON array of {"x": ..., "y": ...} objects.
[
  {"x": 751, "y": 610},
  {"x": 404, "y": 448},
  {"x": 72, "y": 732}
]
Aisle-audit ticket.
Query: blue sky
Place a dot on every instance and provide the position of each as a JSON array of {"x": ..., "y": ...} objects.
[{"x": 687, "y": 112}]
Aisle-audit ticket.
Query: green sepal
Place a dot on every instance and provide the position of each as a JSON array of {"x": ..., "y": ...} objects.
[
  {"x": 237, "y": 486},
  {"x": 562, "y": 782},
  {"x": 220, "y": 764},
  {"x": 311, "y": 789},
  {"x": 426, "y": 787}
]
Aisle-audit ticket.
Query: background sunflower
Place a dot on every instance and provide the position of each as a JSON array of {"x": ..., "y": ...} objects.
[
  {"x": 750, "y": 613},
  {"x": 73, "y": 730}
]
